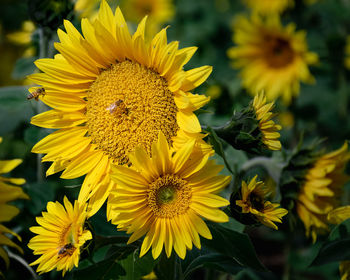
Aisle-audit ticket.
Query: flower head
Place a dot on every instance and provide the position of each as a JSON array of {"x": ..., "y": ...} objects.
[
  {"x": 165, "y": 196},
  {"x": 111, "y": 92},
  {"x": 268, "y": 128},
  {"x": 9, "y": 192},
  {"x": 268, "y": 7},
  {"x": 321, "y": 189},
  {"x": 253, "y": 200},
  {"x": 60, "y": 236},
  {"x": 272, "y": 57}
]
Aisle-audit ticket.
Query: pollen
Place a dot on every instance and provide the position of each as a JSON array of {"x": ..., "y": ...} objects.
[
  {"x": 127, "y": 106},
  {"x": 169, "y": 196}
]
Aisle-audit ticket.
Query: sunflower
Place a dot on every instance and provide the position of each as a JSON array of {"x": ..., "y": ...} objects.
[
  {"x": 9, "y": 192},
  {"x": 111, "y": 92},
  {"x": 253, "y": 201},
  {"x": 272, "y": 57},
  {"x": 165, "y": 196},
  {"x": 87, "y": 8},
  {"x": 60, "y": 236},
  {"x": 268, "y": 7},
  {"x": 321, "y": 190},
  {"x": 268, "y": 129},
  {"x": 158, "y": 12}
]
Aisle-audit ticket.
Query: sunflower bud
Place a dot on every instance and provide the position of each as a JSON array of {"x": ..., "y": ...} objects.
[{"x": 252, "y": 129}]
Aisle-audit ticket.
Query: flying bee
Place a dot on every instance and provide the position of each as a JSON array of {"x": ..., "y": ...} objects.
[
  {"x": 36, "y": 93},
  {"x": 118, "y": 107},
  {"x": 67, "y": 249}
]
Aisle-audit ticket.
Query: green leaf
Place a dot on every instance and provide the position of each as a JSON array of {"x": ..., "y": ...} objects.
[
  {"x": 217, "y": 145},
  {"x": 110, "y": 268},
  {"x": 23, "y": 67},
  {"x": 169, "y": 268},
  {"x": 214, "y": 261},
  {"x": 233, "y": 244},
  {"x": 136, "y": 267},
  {"x": 40, "y": 194},
  {"x": 334, "y": 249},
  {"x": 14, "y": 108}
]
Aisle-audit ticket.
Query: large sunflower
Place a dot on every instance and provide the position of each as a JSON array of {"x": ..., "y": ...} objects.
[
  {"x": 158, "y": 12},
  {"x": 273, "y": 58},
  {"x": 8, "y": 193},
  {"x": 164, "y": 197},
  {"x": 111, "y": 92},
  {"x": 268, "y": 7},
  {"x": 60, "y": 236},
  {"x": 321, "y": 190},
  {"x": 254, "y": 201}
]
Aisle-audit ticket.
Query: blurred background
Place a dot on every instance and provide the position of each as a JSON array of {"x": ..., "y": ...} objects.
[{"x": 28, "y": 30}]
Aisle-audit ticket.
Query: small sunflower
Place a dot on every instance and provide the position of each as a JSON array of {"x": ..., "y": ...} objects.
[
  {"x": 9, "y": 192},
  {"x": 158, "y": 12},
  {"x": 60, "y": 236},
  {"x": 253, "y": 201},
  {"x": 273, "y": 58},
  {"x": 321, "y": 190},
  {"x": 268, "y": 128},
  {"x": 111, "y": 92},
  {"x": 268, "y": 7},
  {"x": 165, "y": 196}
]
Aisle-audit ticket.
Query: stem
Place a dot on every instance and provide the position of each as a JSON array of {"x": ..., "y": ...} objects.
[{"x": 23, "y": 262}]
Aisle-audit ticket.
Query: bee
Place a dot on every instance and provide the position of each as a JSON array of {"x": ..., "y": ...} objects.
[
  {"x": 36, "y": 93},
  {"x": 67, "y": 249},
  {"x": 118, "y": 107}
]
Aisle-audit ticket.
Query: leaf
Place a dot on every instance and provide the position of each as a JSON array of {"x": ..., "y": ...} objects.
[
  {"x": 169, "y": 268},
  {"x": 136, "y": 267},
  {"x": 233, "y": 244},
  {"x": 14, "y": 108},
  {"x": 217, "y": 145},
  {"x": 108, "y": 269},
  {"x": 215, "y": 261},
  {"x": 23, "y": 67},
  {"x": 334, "y": 249},
  {"x": 40, "y": 194}
]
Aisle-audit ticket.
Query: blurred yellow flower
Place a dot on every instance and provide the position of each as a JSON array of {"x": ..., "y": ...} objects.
[
  {"x": 286, "y": 119},
  {"x": 253, "y": 201},
  {"x": 347, "y": 53},
  {"x": 23, "y": 37},
  {"x": 60, "y": 236},
  {"x": 268, "y": 128},
  {"x": 214, "y": 91},
  {"x": 272, "y": 57},
  {"x": 9, "y": 192},
  {"x": 111, "y": 92},
  {"x": 87, "y": 8},
  {"x": 158, "y": 12},
  {"x": 320, "y": 193},
  {"x": 165, "y": 197},
  {"x": 268, "y": 7}
]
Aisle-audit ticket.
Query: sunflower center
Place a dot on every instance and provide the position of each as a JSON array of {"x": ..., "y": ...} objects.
[
  {"x": 66, "y": 242},
  {"x": 169, "y": 196},
  {"x": 278, "y": 51},
  {"x": 127, "y": 106},
  {"x": 256, "y": 201}
]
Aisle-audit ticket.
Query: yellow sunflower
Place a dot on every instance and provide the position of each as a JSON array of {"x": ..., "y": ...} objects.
[
  {"x": 60, "y": 236},
  {"x": 320, "y": 193},
  {"x": 165, "y": 196},
  {"x": 268, "y": 7},
  {"x": 158, "y": 12},
  {"x": 254, "y": 201},
  {"x": 9, "y": 192},
  {"x": 87, "y": 8},
  {"x": 338, "y": 216},
  {"x": 111, "y": 92},
  {"x": 268, "y": 128},
  {"x": 272, "y": 57}
]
